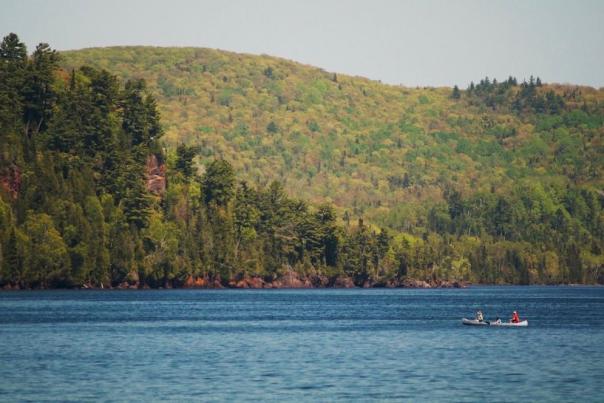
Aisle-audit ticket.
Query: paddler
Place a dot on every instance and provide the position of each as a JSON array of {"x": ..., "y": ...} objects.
[
  {"x": 515, "y": 317},
  {"x": 479, "y": 316}
]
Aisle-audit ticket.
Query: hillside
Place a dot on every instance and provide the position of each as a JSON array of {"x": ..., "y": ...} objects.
[
  {"x": 292, "y": 177},
  {"x": 382, "y": 152}
]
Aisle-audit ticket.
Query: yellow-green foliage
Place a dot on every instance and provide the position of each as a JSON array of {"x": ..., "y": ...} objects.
[
  {"x": 500, "y": 183},
  {"x": 379, "y": 151}
]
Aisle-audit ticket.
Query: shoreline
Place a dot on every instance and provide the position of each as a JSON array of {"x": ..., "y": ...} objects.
[
  {"x": 233, "y": 285},
  {"x": 288, "y": 280}
]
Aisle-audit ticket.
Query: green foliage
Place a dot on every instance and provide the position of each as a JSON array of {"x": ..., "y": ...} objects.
[
  {"x": 161, "y": 244},
  {"x": 13, "y": 54},
  {"x": 140, "y": 119},
  {"x": 38, "y": 92},
  {"x": 272, "y": 127},
  {"x": 499, "y": 183},
  {"x": 184, "y": 159},
  {"x": 218, "y": 183},
  {"x": 456, "y": 94},
  {"x": 47, "y": 261},
  {"x": 335, "y": 139}
]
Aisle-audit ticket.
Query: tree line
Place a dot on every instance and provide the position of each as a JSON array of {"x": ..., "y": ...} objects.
[{"x": 518, "y": 98}]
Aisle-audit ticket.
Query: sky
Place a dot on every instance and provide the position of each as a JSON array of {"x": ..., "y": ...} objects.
[{"x": 413, "y": 43}]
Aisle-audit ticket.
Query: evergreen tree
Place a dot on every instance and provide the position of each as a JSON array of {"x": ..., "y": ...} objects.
[
  {"x": 326, "y": 217},
  {"x": 184, "y": 159},
  {"x": 456, "y": 94},
  {"x": 218, "y": 183},
  {"x": 13, "y": 63},
  {"x": 97, "y": 254},
  {"x": 133, "y": 196},
  {"x": 246, "y": 216},
  {"x": 272, "y": 127},
  {"x": 140, "y": 117},
  {"x": 39, "y": 95}
]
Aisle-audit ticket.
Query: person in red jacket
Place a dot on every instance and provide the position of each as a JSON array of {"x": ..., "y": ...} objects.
[{"x": 515, "y": 317}]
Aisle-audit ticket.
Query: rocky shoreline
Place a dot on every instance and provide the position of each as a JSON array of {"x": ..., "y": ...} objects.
[{"x": 288, "y": 280}]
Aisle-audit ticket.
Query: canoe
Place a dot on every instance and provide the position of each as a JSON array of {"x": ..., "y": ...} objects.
[
  {"x": 522, "y": 323},
  {"x": 474, "y": 322}
]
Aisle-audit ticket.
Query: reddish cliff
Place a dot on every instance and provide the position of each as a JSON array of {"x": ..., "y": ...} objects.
[{"x": 156, "y": 175}]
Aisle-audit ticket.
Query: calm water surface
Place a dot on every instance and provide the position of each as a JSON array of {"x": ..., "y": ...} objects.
[{"x": 309, "y": 345}]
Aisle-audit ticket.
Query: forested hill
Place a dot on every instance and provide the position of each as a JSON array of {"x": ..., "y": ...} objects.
[
  {"x": 156, "y": 167},
  {"x": 382, "y": 152}
]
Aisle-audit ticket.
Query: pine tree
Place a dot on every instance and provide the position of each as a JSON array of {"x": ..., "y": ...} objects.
[
  {"x": 97, "y": 253},
  {"x": 133, "y": 112},
  {"x": 218, "y": 183},
  {"x": 184, "y": 159},
  {"x": 456, "y": 94},
  {"x": 13, "y": 63},
  {"x": 39, "y": 95},
  {"x": 272, "y": 127},
  {"x": 133, "y": 196},
  {"x": 246, "y": 215}
]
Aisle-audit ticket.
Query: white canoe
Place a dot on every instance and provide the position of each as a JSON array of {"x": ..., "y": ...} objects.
[
  {"x": 522, "y": 323},
  {"x": 474, "y": 322}
]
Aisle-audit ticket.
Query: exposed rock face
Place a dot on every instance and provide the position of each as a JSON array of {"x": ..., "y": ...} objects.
[
  {"x": 247, "y": 282},
  {"x": 255, "y": 282},
  {"x": 319, "y": 281},
  {"x": 411, "y": 283},
  {"x": 156, "y": 175},
  {"x": 195, "y": 282},
  {"x": 291, "y": 279},
  {"x": 206, "y": 282},
  {"x": 343, "y": 282},
  {"x": 451, "y": 284},
  {"x": 234, "y": 283},
  {"x": 10, "y": 180},
  {"x": 392, "y": 284},
  {"x": 216, "y": 283}
]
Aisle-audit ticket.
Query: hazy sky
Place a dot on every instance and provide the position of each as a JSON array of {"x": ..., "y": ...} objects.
[{"x": 399, "y": 42}]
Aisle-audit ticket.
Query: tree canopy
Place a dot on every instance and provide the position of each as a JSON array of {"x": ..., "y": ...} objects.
[{"x": 216, "y": 166}]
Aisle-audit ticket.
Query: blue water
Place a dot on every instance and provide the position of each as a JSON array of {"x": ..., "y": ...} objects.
[{"x": 301, "y": 345}]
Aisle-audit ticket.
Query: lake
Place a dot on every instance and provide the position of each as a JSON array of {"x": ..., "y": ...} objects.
[{"x": 301, "y": 345}]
